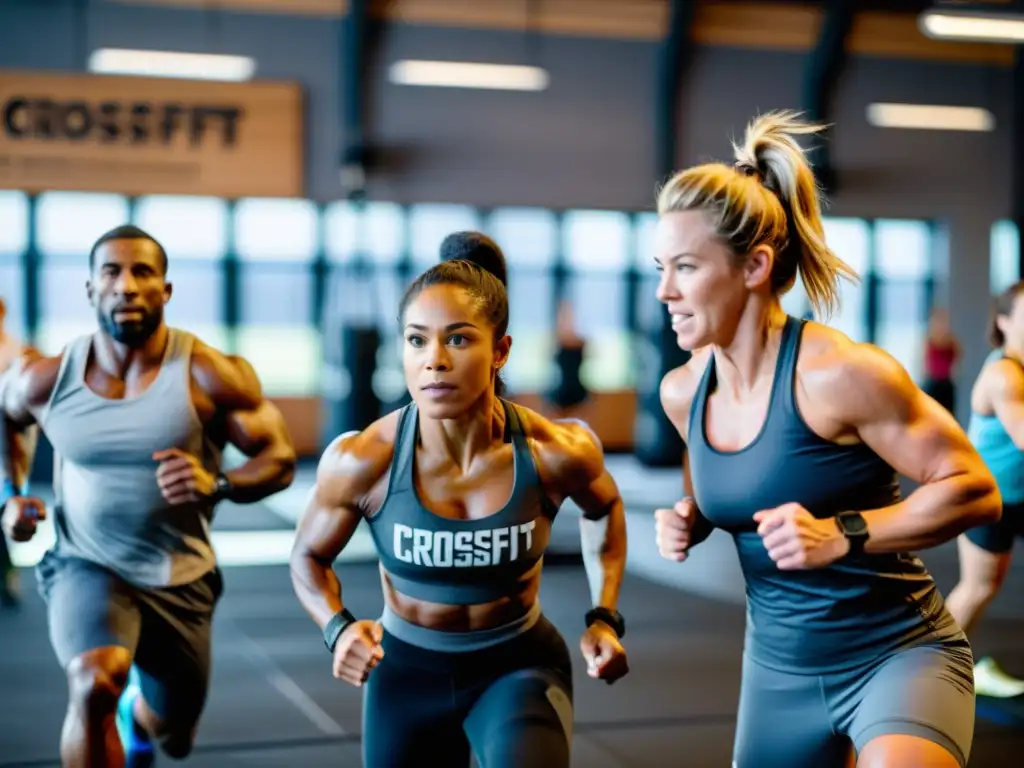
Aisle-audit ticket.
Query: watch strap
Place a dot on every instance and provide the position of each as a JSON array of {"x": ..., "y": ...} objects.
[{"x": 853, "y": 526}]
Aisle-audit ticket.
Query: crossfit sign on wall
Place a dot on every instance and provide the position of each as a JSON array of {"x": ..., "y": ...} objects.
[{"x": 136, "y": 136}]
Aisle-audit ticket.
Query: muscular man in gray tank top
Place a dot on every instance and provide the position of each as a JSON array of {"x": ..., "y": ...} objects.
[{"x": 139, "y": 414}]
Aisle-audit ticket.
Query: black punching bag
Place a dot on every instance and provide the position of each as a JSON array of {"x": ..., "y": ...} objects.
[
  {"x": 351, "y": 404},
  {"x": 656, "y": 441},
  {"x": 568, "y": 391}
]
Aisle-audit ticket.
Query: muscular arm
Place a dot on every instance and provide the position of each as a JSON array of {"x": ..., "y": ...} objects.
[
  {"x": 1006, "y": 390},
  {"x": 603, "y": 523},
  {"x": 331, "y": 517},
  {"x": 25, "y": 385},
  {"x": 919, "y": 439},
  {"x": 254, "y": 426}
]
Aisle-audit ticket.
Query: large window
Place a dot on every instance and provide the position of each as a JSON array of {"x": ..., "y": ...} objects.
[
  {"x": 430, "y": 224},
  {"x": 67, "y": 225},
  {"x": 13, "y": 244},
  {"x": 597, "y": 250},
  {"x": 277, "y": 241},
  {"x": 365, "y": 246},
  {"x": 373, "y": 249},
  {"x": 650, "y": 311},
  {"x": 193, "y": 231},
  {"x": 849, "y": 239},
  {"x": 1004, "y": 261},
  {"x": 529, "y": 239},
  {"x": 903, "y": 264}
]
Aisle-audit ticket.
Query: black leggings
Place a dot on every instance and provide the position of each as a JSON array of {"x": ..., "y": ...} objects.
[{"x": 510, "y": 703}]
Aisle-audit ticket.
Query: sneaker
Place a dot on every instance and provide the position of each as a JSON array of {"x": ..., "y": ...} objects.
[
  {"x": 990, "y": 680},
  {"x": 138, "y": 749}
]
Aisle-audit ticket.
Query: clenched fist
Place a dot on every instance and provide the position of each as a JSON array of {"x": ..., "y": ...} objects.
[
  {"x": 182, "y": 478},
  {"x": 358, "y": 651},
  {"x": 796, "y": 540},
  {"x": 21, "y": 516},
  {"x": 603, "y": 652},
  {"x": 675, "y": 529}
]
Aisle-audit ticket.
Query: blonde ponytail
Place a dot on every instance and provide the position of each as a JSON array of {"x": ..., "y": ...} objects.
[{"x": 769, "y": 197}]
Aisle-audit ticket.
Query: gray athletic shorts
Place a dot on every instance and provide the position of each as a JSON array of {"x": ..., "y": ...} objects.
[
  {"x": 166, "y": 630},
  {"x": 789, "y": 720}
]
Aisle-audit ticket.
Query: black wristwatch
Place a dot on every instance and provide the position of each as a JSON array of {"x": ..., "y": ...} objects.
[
  {"x": 336, "y": 626},
  {"x": 855, "y": 528},
  {"x": 221, "y": 488},
  {"x": 612, "y": 618}
]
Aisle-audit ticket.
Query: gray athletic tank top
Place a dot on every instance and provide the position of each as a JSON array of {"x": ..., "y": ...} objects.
[
  {"x": 823, "y": 620},
  {"x": 110, "y": 510},
  {"x": 460, "y": 562}
]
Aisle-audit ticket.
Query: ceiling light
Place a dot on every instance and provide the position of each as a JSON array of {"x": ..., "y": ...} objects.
[
  {"x": 464, "y": 74},
  {"x": 930, "y": 117},
  {"x": 190, "y": 66},
  {"x": 979, "y": 27}
]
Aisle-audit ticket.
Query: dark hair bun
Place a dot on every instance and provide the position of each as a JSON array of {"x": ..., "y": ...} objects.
[{"x": 477, "y": 248}]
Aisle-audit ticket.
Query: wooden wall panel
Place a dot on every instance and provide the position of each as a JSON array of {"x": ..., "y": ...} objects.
[
  {"x": 140, "y": 135},
  {"x": 759, "y": 25}
]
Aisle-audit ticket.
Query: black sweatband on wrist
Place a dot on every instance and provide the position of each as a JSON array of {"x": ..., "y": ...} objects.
[{"x": 337, "y": 624}]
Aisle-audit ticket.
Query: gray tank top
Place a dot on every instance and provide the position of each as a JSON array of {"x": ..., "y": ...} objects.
[
  {"x": 110, "y": 510},
  {"x": 822, "y": 620}
]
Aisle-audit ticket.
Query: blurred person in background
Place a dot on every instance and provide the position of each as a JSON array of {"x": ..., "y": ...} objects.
[
  {"x": 996, "y": 428},
  {"x": 569, "y": 392},
  {"x": 941, "y": 354}
]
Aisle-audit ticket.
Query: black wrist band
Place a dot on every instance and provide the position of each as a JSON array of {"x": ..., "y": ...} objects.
[
  {"x": 336, "y": 626},
  {"x": 612, "y": 618}
]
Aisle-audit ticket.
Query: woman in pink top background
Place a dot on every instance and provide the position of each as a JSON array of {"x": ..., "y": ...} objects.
[{"x": 941, "y": 353}]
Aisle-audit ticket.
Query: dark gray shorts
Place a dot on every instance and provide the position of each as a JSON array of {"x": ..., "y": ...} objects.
[
  {"x": 166, "y": 630},
  {"x": 789, "y": 720},
  {"x": 998, "y": 537}
]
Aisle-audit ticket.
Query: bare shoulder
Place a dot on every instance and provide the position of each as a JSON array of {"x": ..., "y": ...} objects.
[
  {"x": 563, "y": 448},
  {"x": 229, "y": 380},
  {"x": 849, "y": 380},
  {"x": 679, "y": 386},
  {"x": 1004, "y": 378},
  {"x": 31, "y": 378},
  {"x": 354, "y": 463}
]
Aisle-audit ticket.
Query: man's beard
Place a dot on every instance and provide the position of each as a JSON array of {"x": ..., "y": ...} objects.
[{"x": 133, "y": 333}]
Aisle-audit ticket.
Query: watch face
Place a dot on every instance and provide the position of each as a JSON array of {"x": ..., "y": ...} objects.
[{"x": 854, "y": 525}]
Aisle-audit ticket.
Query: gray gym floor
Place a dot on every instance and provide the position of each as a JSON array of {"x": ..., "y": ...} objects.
[{"x": 274, "y": 702}]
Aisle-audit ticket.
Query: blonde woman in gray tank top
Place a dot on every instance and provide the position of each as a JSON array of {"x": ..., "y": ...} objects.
[{"x": 139, "y": 414}]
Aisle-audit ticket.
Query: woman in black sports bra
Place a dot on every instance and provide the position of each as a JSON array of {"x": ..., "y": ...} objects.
[{"x": 459, "y": 490}]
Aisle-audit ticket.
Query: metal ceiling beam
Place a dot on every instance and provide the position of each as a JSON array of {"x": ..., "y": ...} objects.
[
  {"x": 825, "y": 64},
  {"x": 673, "y": 61},
  {"x": 656, "y": 442},
  {"x": 354, "y": 47}
]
